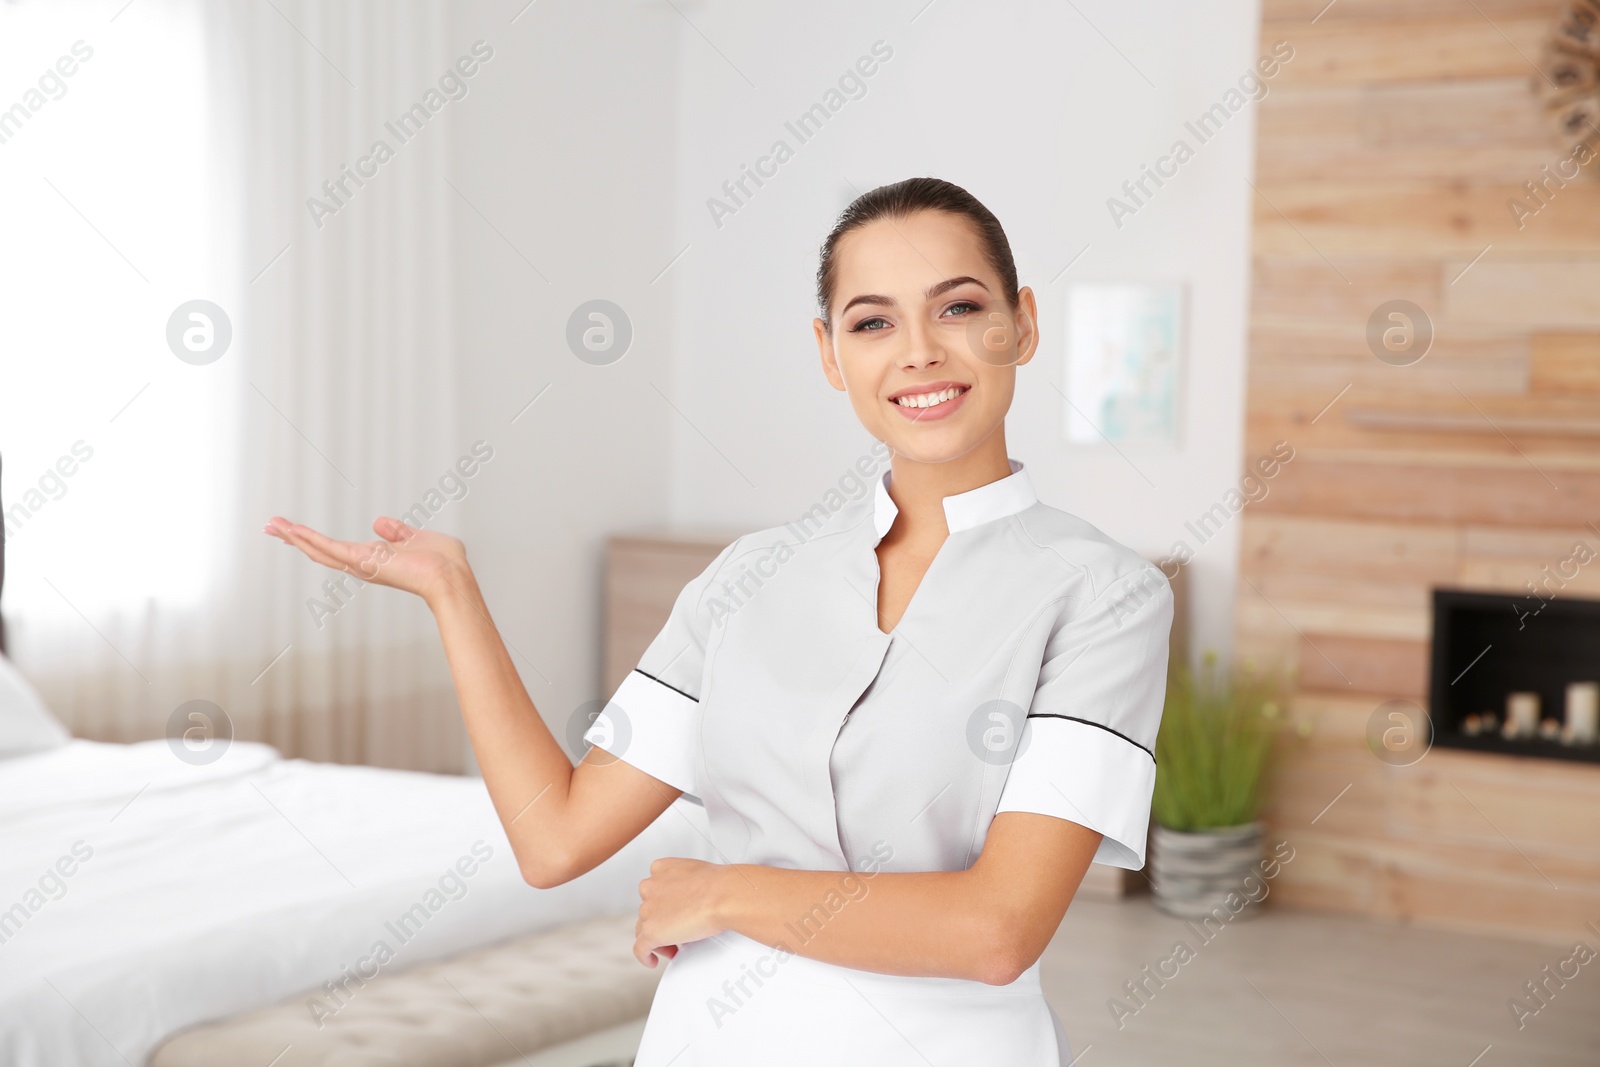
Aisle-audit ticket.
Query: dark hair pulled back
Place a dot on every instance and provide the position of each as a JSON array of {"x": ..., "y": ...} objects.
[{"x": 903, "y": 199}]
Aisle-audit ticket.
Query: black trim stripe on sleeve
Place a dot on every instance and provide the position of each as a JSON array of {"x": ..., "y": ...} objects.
[
  {"x": 1091, "y": 722},
  {"x": 669, "y": 685}
]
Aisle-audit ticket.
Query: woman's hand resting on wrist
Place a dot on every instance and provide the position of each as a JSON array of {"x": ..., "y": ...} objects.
[
  {"x": 423, "y": 562},
  {"x": 682, "y": 900}
]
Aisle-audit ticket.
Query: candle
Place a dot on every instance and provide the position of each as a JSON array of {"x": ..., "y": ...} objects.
[
  {"x": 1583, "y": 714},
  {"x": 1522, "y": 715}
]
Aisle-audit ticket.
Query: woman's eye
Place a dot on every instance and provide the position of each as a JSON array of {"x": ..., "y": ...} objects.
[
  {"x": 963, "y": 306},
  {"x": 867, "y": 324}
]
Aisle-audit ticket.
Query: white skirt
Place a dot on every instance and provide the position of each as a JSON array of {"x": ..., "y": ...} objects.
[{"x": 729, "y": 1001}]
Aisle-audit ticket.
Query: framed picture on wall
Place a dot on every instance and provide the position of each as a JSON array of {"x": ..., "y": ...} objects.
[{"x": 1124, "y": 346}]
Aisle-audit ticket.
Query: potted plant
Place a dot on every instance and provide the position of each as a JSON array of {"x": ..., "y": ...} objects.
[{"x": 1216, "y": 740}]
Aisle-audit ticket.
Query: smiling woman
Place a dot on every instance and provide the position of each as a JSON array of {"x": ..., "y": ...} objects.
[{"x": 951, "y": 685}]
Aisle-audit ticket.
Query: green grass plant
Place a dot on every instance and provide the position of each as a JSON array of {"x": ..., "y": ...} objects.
[{"x": 1215, "y": 744}]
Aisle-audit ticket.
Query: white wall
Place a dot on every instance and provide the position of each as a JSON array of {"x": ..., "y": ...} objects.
[
  {"x": 566, "y": 148},
  {"x": 1030, "y": 108}
]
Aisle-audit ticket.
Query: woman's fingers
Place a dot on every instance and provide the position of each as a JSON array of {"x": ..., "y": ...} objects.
[
  {"x": 346, "y": 556},
  {"x": 348, "y": 553},
  {"x": 313, "y": 553},
  {"x": 393, "y": 530},
  {"x": 412, "y": 569},
  {"x": 652, "y": 955}
]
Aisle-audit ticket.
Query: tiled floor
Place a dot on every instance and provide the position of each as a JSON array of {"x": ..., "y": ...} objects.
[{"x": 1288, "y": 988}]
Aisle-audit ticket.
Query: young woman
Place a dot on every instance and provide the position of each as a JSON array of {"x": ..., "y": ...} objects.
[{"x": 912, "y": 728}]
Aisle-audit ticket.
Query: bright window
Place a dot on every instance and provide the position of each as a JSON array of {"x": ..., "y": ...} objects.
[{"x": 113, "y": 169}]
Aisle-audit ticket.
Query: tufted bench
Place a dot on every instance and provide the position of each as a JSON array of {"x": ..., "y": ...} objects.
[{"x": 569, "y": 997}]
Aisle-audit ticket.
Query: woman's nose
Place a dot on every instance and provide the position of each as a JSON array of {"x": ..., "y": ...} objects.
[{"x": 923, "y": 348}]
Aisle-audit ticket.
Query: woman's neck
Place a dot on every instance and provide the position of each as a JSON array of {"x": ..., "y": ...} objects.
[{"x": 918, "y": 489}]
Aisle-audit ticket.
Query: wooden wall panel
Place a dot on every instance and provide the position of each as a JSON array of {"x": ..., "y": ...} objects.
[
  {"x": 1289, "y": 13},
  {"x": 1266, "y": 615},
  {"x": 1405, "y": 132},
  {"x": 1390, "y": 48},
  {"x": 1283, "y": 361},
  {"x": 1388, "y": 152},
  {"x": 1559, "y": 431},
  {"x": 1385, "y": 665},
  {"x": 1549, "y": 294},
  {"x": 1455, "y": 222},
  {"x": 1512, "y": 494},
  {"x": 1277, "y": 544},
  {"x": 1561, "y": 362}
]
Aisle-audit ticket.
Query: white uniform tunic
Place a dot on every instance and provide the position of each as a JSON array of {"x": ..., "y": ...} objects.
[{"x": 1027, "y": 674}]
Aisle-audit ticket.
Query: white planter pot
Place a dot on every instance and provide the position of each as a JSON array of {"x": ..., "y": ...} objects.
[{"x": 1194, "y": 873}]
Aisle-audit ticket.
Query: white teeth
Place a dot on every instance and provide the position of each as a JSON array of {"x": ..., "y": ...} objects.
[{"x": 928, "y": 400}]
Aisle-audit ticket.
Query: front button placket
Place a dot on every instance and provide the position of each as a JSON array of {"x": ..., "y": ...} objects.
[
  {"x": 874, "y": 649},
  {"x": 845, "y": 696}
]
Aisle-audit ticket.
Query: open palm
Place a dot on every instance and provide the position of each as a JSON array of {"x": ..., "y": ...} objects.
[{"x": 417, "y": 561}]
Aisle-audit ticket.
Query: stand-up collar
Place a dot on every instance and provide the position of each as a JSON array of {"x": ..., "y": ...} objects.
[{"x": 996, "y": 500}]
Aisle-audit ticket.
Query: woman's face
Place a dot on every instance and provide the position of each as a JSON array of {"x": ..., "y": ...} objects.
[{"x": 923, "y": 341}]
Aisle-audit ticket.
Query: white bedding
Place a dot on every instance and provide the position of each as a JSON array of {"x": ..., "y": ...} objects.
[{"x": 197, "y": 892}]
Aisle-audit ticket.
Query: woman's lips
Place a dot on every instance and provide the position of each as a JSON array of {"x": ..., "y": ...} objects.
[{"x": 935, "y": 411}]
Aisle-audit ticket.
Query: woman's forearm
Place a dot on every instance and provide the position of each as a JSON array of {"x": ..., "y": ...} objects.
[
  {"x": 524, "y": 768},
  {"x": 560, "y": 820},
  {"x": 936, "y": 923}
]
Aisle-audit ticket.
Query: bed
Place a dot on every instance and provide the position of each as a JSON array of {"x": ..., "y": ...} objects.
[{"x": 141, "y": 894}]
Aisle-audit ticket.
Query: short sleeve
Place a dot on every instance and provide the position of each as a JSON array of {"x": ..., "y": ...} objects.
[
  {"x": 652, "y": 721},
  {"x": 1087, "y": 752}
]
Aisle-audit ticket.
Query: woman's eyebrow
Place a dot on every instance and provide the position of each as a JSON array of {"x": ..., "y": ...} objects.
[{"x": 933, "y": 290}]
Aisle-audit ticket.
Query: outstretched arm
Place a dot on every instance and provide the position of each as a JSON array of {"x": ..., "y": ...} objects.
[
  {"x": 561, "y": 821},
  {"x": 990, "y": 922}
]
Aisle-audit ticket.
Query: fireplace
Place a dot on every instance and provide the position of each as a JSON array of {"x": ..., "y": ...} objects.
[{"x": 1497, "y": 656}]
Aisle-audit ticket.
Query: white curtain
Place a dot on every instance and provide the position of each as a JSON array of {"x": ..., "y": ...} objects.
[{"x": 177, "y": 166}]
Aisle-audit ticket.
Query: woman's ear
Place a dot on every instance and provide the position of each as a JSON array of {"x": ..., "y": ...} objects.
[
  {"x": 1027, "y": 319},
  {"x": 830, "y": 363}
]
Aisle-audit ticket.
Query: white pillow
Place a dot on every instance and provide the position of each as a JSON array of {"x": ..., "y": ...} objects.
[{"x": 26, "y": 725}]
